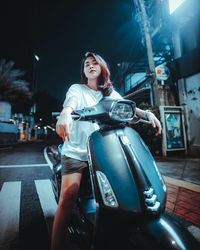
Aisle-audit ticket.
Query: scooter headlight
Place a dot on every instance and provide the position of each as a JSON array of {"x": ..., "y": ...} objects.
[
  {"x": 122, "y": 111},
  {"x": 107, "y": 193}
]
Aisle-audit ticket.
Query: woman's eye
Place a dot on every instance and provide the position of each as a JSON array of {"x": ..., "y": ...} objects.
[{"x": 93, "y": 63}]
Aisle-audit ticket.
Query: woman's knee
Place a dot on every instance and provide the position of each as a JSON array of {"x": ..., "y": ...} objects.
[{"x": 68, "y": 195}]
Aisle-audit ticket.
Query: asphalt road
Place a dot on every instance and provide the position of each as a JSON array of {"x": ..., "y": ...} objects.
[{"x": 27, "y": 205}]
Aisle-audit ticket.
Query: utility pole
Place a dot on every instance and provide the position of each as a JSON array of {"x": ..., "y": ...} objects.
[
  {"x": 157, "y": 90},
  {"x": 147, "y": 38}
]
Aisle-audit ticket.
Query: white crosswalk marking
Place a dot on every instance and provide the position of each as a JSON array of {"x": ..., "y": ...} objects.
[
  {"x": 9, "y": 214},
  {"x": 47, "y": 201},
  {"x": 24, "y": 165}
]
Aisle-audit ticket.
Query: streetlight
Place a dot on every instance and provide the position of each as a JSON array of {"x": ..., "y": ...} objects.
[
  {"x": 36, "y": 60},
  {"x": 36, "y": 57}
]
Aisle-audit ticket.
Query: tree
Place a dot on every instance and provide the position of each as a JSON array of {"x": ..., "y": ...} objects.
[{"x": 12, "y": 88}]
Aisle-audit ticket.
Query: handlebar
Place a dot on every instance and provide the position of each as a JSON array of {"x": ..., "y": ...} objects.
[
  {"x": 137, "y": 119},
  {"x": 75, "y": 117},
  {"x": 145, "y": 121}
]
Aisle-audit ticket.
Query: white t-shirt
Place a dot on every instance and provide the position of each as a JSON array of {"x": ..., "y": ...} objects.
[{"x": 77, "y": 146}]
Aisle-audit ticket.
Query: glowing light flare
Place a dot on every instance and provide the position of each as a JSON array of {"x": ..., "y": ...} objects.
[
  {"x": 37, "y": 57},
  {"x": 174, "y": 4}
]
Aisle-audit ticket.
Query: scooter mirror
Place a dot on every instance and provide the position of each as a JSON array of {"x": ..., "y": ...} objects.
[{"x": 122, "y": 111}]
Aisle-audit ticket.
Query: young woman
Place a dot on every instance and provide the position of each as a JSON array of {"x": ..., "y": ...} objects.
[{"x": 95, "y": 84}]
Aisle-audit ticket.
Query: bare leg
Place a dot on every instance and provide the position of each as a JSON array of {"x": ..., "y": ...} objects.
[{"x": 69, "y": 190}]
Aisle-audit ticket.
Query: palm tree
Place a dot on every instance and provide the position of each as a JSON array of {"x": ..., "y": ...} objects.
[{"x": 12, "y": 88}]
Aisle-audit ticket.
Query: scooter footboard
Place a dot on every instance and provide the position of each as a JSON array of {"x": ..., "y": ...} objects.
[{"x": 168, "y": 234}]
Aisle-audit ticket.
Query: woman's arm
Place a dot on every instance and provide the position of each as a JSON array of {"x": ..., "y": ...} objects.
[
  {"x": 148, "y": 115},
  {"x": 64, "y": 123}
]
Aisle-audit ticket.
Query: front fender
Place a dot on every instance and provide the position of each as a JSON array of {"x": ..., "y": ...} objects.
[{"x": 170, "y": 234}]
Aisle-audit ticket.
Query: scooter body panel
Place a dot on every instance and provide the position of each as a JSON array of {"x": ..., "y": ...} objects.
[
  {"x": 147, "y": 163},
  {"x": 107, "y": 154},
  {"x": 108, "y": 157}
]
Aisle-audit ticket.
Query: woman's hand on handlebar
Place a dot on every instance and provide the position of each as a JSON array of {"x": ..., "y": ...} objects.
[
  {"x": 64, "y": 124},
  {"x": 155, "y": 122},
  {"x": 148, "y": 115}
]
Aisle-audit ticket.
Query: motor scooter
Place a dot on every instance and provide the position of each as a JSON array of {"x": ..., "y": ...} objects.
[{"x": 122, "y": 197}]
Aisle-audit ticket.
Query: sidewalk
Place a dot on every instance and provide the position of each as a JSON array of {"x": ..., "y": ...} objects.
[
  {"x": 182, "y": 177},
  {"x": 185, "y": 169}
]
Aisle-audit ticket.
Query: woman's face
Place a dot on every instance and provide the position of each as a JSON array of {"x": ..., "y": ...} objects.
[{"x": 92, "y": 69}]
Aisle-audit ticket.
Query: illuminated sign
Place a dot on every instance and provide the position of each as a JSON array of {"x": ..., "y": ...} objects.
[{"x": 162, "y": 72}]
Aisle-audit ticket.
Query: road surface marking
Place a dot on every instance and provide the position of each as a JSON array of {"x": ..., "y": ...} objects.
[
  {"x": 5, "y": 148},
  {"x": 23, "y": 165},
  {"x": 47, "y": 158},
  {"x": 195, "y": 231},
  {"x": 9, "y": 214},
  {"x": 47, "y": 201}
]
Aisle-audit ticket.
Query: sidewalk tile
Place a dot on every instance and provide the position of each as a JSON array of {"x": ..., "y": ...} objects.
[
  {"x": 191, "y": 219},
  {"x": 194, "y": 216},
  {"x": 184, "y": 203},
  {"x": 191, "y": 201},
  {"x": 187, "y": 206}
]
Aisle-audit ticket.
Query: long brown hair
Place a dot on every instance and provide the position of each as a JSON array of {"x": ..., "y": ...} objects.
[{"x": 104, "y": 82}]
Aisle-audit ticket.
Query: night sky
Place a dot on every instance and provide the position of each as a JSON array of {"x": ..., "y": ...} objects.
[{"x": 61, "y": 31}]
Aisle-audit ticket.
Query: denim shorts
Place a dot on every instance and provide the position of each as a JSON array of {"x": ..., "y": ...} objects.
[{"x": 71, "y": 165}]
